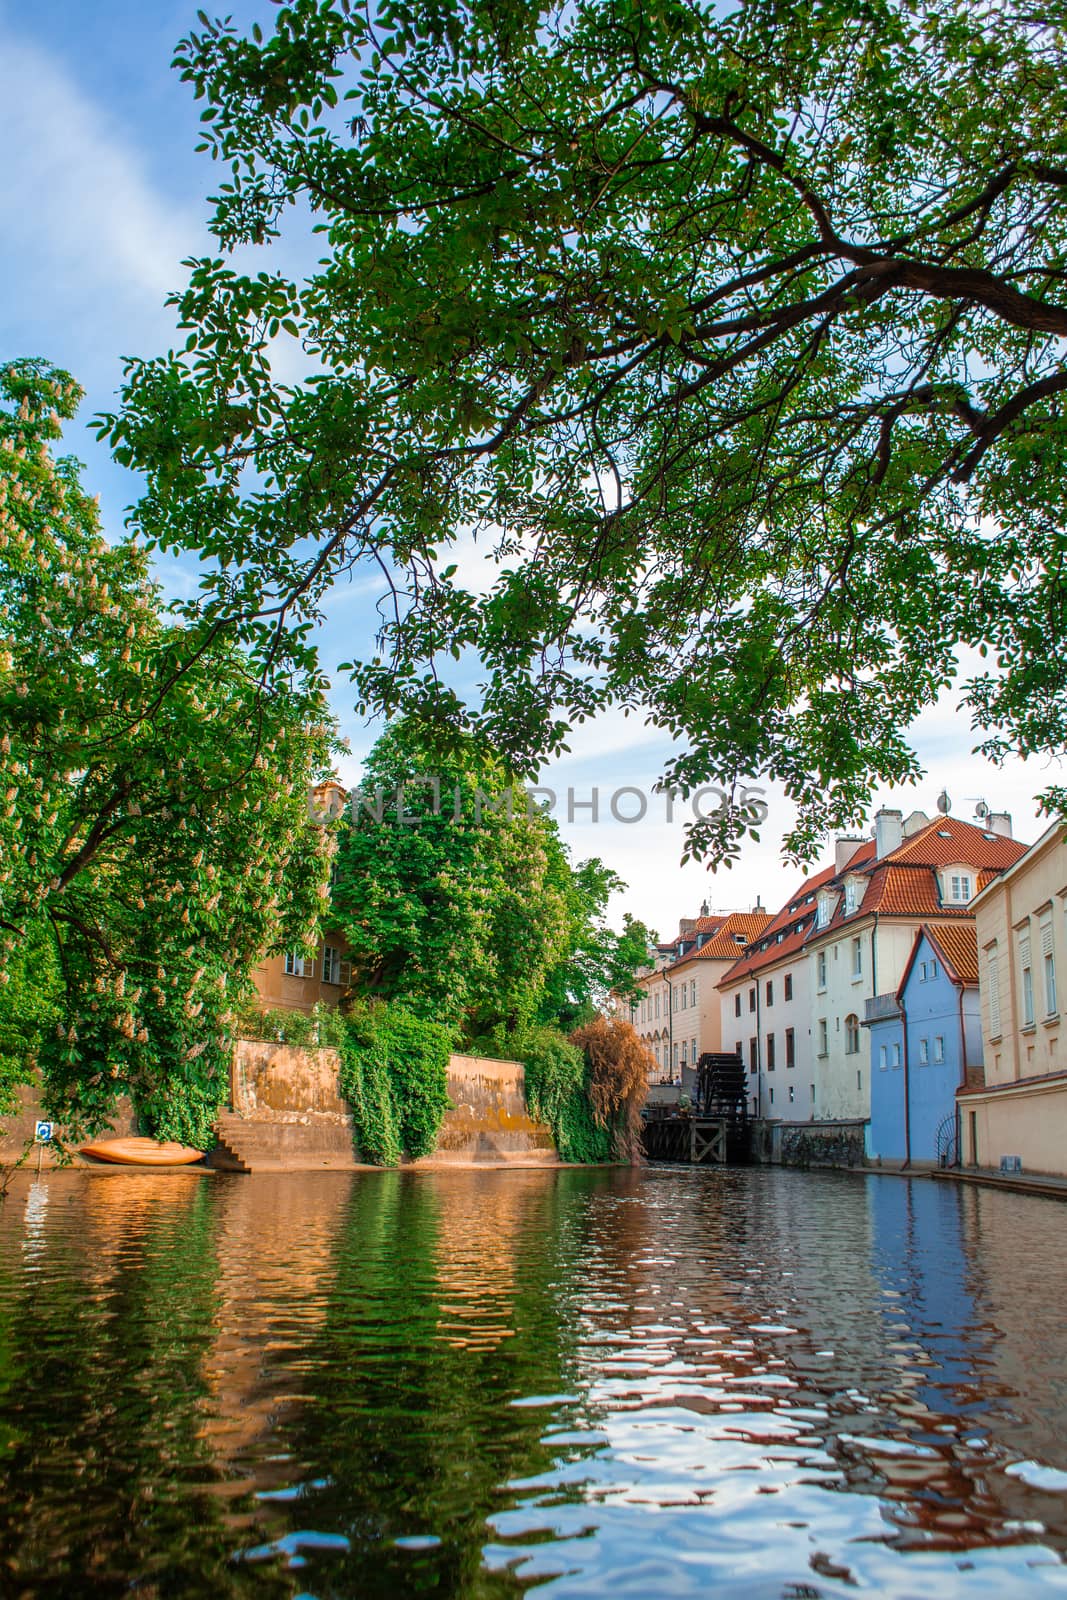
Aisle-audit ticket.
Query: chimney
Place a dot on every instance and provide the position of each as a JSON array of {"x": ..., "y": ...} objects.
[
  {"x": 687, "y": 927},
  {"x": 705, "y": 909},
  {"x": 999, "y": 822},
  {"x": 759, "y": 907},
  {"x": 844, "y": 850},
  {"x": 888, "y": 832}
]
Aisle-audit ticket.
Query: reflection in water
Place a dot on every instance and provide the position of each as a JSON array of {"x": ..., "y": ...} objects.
[{"x": 744, "y": 1382}]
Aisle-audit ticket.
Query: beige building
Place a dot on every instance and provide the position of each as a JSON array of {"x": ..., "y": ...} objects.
[
  {"x": 297, "y": 980},
  {"x": 1021, "y": 922},
  {"x": 679, "y": 1014}
]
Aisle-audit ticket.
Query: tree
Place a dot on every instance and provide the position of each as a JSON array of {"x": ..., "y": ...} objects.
[
  {"x": 742, "y": 327},
  {"x": 155, "y": 832},
  {"x": 459, "y": 900}
]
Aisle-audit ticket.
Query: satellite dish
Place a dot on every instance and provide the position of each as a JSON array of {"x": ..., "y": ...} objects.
[
  {"x": 944, "y": 804},
  {"x": 981, "y": 810}
]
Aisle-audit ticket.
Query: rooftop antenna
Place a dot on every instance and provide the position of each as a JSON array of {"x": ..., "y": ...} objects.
[
  {"x": 981, "y": 810},
  {"x": 944, "y": 804}
]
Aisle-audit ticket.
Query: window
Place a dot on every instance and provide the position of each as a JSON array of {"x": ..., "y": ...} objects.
[
  {"x": 923, "y": 968},
  {"x": 857, "y": 958},
  {"x": 752, "y": 998},
  {"x": 693, "y": 1052},
  {"x": 770, "y": 1096},
  {"x": 753, "y": 1054},
  {"x": 933, "y": 969},
  {"x": 692, "y": 991},
  {"x": 852, "y": 1034},
  {"x": 737, "y": 1003},
  {"x": 294, "y": 964},
  {"x": 1048, "y": 962},
  {"x": 675, "y": 1054},
  {"x": 790, "y": 1048},
  {"x": 1027, "y": 979},
  {"x": 770, "y": 991},
  {"x": 789, "y": 986},
  {"x": 883, "y": 1057},
  {"x": 792, "y": 1095},
  {"x": 924, "y": 1052},
  {"x": 685, "y": 993},
  {"x": 824, "y": 1044},
  {"x": 820, "y": 968},
  {"x": 993, "y": 986},
  {"x": 331, "y": 964},
  {"x": 939, "y": 1047},
  {"x": 822, "y": 912},
  {"x": 656, "y": 1050},
  {"x": 896, "y": 1054},
  {"x": 770, "y": 1052},
  {"x": 811, "y": 1088},
  {"x": 674, "y": 998},
  {"x": 959, "y": 887},
  {"x": 657, "y": 1002}
]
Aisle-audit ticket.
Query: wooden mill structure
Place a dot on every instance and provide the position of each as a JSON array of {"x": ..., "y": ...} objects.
[{"x": 714, "y": 1129}]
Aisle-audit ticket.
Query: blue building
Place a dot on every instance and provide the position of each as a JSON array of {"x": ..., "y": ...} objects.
[{"x": 926, "y": 1042}]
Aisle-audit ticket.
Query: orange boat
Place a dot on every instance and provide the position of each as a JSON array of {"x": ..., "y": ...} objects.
[{"x": 142, "y": 1153}]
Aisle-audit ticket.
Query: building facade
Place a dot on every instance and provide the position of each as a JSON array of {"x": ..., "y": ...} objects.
[
  {"x": 1021, "y": 927},
  {"x": 925, "y": 1045},
  {"x": 678, "y": 1015},
  {"x": 867, "y": 917}
]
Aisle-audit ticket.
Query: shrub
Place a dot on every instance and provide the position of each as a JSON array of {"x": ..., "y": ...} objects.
[
  {"x": 616, "y": 1081},
  {"x": 322, "y": 1028},
  {"x": 557, "y": 1092},
  {"x": 394, "y": 1075}
]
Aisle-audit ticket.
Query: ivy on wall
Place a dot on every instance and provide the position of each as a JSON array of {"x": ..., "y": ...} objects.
[{"x": 394, "y": 1075}]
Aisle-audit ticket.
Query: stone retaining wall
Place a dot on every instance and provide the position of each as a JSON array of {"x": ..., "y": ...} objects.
[
  {"x": 809, "y": 1144},
  {"x": 17, "y": 1127}
]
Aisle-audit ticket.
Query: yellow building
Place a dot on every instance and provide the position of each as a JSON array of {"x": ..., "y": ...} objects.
[{"x": 1021, "y": 921}]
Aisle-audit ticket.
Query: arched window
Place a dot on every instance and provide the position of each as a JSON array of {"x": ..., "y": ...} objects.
[{"x": 852, "y": 1035}]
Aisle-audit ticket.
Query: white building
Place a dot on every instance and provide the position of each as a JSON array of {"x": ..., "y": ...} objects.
[{"x": 679, "y": 1013}]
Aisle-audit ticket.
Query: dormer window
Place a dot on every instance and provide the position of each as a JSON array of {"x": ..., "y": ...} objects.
[
  {"x": 823, "y": 911},
  {"x": 958, "y": 886},
  {"x": 852, "y": 895}
]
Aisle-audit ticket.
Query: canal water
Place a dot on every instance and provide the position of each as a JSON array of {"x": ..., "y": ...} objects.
[{"x": 753, "y": 1383}]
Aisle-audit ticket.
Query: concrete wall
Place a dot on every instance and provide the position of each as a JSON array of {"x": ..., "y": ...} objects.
[
  {"x": 489, "y": 1119},
  {"x": 284, "y": 1078},
  {"x": 1025, "y": 1119},
  {"x": 18, "y": 1127}
]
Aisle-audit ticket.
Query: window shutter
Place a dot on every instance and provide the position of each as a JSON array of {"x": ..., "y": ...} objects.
[
  {"x": 1046, "y": 937},
  {"x": 994, "y": 993},
  {"x": 1024, "y": 949}
]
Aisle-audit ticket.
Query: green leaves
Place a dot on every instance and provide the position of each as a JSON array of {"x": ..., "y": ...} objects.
[
  {"x": 155, "y": 834},
  {"x": 740, "y": 333}
]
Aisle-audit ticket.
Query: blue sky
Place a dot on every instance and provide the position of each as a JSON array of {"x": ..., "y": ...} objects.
[{"x": 101, "y": 195}]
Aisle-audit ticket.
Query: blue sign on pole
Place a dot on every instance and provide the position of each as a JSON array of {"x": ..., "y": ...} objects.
[{"x": 43, "y": 1132}]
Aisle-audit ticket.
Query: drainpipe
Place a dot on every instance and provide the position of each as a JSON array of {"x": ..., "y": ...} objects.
[
  {"x": 963, "y": 1079},
  {"x": 670, "y": 1023},
  {"x": 907, "y": 1085},
  {"x": 759, "y": 1054}
]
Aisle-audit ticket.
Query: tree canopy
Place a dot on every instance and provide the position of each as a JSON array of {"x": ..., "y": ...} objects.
[
  {"x": 155, "y": 831},
  {"x": 459, "y": 900},
  {"x": 739, "y": 331}
]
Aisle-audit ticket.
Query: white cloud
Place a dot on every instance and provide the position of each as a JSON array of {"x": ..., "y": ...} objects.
[{"x": 79, "y": 210}]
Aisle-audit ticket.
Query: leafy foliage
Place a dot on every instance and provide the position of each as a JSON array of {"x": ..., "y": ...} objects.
[
  {"x": 155, "y": 833},
  {"x": 557, "y": 1093},
  {"x": 29, "y": 1009},
  {"x": 321, "y": 1028},
  {"x": 738, "y": 330},
  {"x": 460, "y": 902},
  {"x": 394, "y": 1073}
]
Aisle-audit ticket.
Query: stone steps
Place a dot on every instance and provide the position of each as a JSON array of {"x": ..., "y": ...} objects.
[{"x": 253, "y": 1144}]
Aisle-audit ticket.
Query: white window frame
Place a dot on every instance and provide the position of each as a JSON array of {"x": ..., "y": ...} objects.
[
  {"x": 295, "y": 964},
  {"x": 939, "y": 1047},
  {"x": 924, "y": 1052},
  {"x": 820, "y": 969}
]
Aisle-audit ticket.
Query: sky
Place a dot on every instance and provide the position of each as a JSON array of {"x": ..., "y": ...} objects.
[{"x": 101, "y": 197}]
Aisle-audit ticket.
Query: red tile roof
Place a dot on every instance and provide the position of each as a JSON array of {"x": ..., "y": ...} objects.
[
  {"x": 946, "y": 841},
  {"x": 723, "y": 945},
  {"x": 958, "y": 944}
]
